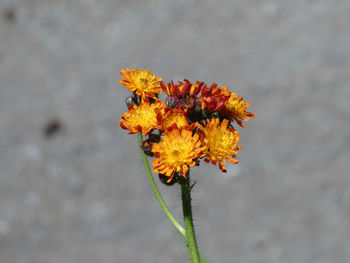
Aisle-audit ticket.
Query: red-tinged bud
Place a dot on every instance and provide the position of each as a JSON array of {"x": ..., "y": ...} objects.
[{"x": 147, "y": 147}]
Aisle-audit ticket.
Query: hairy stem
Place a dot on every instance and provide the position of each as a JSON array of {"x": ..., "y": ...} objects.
[{"x": 187, "y": 209}]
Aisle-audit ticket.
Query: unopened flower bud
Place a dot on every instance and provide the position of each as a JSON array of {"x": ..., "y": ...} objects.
[
  {"x": 129, "y": 101},
  {"x": 137, "y": 99},
  {"x": 147, "y": 147},
  {"x": 164, "y": 179},
  {"x": 215, "y": 115},
  {"x": 198, "y": 109},
  {"x": 171, "y": 101},
  {"x": 152, "y": 137},
  {"x": 205, "y": 114}
]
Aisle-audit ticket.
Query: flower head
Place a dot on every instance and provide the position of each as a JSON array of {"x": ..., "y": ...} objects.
[
  {"x": 172, "y": 89},
  {"x": 183, "y": 94},
  {"x": 177, "y": 150},
  {"x": 235, "y": 109},
  {"x": 174, "y": 119},
  {"x": 220, "y": 142},
  {"x": 193, "y": 89},
  {"x": 182, "y": 88},
  {"x": 214, "y": 98},
  {"x": 143, "y": 118},
  {"x": 142, "y": 82},
  {"x": 196, "y": 88}
]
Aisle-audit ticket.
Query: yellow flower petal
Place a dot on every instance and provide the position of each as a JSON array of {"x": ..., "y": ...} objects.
[
  {"x": 175, "y": 152},
  {"x": 174, "y": 119},
  {"x": 142, "y": 82},
  {"x": 143, "y": 118},
  {"x": 220, "y": 142},
  {"x": 235, "y": 109}
]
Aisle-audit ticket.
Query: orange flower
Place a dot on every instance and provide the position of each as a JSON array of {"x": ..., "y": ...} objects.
[
  {"x": 235, "y": 109},
  {"x": 143, "y": 118},
  {"x": 182, "y": 88},
  {"x": 142, "y": 82},
  {"x": 172, "y": 89},
  {"x": 174, "y": 119},
  {"x": 220, "y": 142},
  {"x": 177, "y": 150},
  {"x": 194, "y": 89},
  {"x": 214, "y": 98}
]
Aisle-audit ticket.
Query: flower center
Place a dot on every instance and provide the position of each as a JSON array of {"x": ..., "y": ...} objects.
[{"x": 176, "y": 153}]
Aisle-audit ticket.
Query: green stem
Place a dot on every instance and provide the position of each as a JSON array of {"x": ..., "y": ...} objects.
[
  {"x": 156, "y": 192},
  {"x": 187, "y": 209}
]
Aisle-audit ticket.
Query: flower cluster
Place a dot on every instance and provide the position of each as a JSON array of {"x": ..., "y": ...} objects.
[{"x": 195, "y": 122}]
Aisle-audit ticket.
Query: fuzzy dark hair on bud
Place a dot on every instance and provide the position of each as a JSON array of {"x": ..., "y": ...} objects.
[
  {"x": 129, "y": 101},
  {"x": 215, "y": 115},
  {"x": 137, "y": 99},
  {"x": 205, "y": 114},
  {"x": 164, "y": 179}
]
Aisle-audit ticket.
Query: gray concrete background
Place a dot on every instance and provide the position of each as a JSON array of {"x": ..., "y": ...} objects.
[{"x": 80, "y": 195}]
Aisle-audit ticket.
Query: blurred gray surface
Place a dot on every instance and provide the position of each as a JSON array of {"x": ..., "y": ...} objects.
[{"x": 80, "y": 194}]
